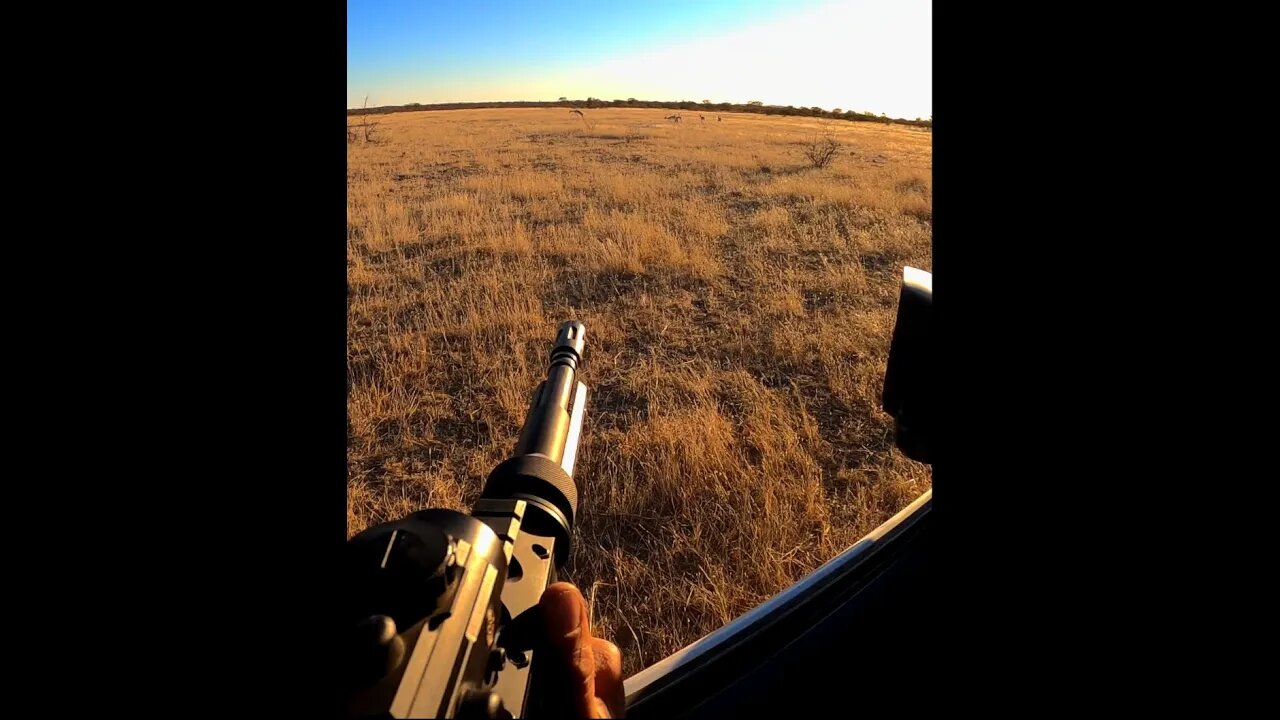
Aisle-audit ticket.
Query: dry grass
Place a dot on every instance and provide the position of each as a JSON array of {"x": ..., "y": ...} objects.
[{"x": 738, "y": 306}]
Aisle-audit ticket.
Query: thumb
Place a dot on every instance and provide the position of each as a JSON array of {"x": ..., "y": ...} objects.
[{"x": 569, "y": 637}]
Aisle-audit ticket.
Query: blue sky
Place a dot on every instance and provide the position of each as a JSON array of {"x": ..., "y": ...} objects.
[{"x": 868, "y": 55}]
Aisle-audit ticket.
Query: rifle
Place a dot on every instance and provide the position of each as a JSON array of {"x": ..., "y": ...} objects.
[{"x": 434, "y": 594}]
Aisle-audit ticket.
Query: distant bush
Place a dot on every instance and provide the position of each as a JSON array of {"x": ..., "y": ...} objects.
[
  {"x": 365, "y": 129},
  {"x": 821, "y": 151}
]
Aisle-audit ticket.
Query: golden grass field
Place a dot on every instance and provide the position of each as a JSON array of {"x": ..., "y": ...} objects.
[{"x": 738, "y": 305}]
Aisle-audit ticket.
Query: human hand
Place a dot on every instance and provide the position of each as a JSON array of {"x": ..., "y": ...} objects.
[{"x": 585, "y": 676}]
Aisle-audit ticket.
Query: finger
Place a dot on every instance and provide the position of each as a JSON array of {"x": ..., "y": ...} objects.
[
  {"x": 569, "y": 633},
  {"x": 608, "y": 666}
]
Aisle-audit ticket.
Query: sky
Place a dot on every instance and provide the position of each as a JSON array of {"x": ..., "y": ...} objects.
[{"x": 865, "y": 55}]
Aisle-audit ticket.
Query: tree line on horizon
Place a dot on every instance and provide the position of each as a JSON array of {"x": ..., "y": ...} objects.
[{"x": 752, "y": 106}]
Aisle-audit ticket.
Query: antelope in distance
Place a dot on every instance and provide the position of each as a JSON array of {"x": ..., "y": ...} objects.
[
  {"x": 582, "y": 116},
  {"x": 673, "y": 118}
]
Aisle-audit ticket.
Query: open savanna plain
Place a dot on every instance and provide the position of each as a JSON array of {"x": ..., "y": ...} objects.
[{"x": 738, "y": 303}]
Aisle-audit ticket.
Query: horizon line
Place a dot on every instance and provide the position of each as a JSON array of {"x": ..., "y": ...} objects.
[{"x": 638, "y": 100}]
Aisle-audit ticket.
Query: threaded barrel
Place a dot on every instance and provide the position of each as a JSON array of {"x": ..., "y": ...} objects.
[{"x": 539, "y": 471}]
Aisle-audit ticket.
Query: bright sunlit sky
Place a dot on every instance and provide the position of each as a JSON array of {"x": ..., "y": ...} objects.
[{"x": 866, "y": 55}]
